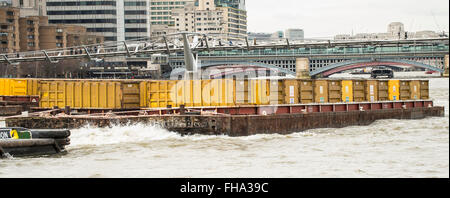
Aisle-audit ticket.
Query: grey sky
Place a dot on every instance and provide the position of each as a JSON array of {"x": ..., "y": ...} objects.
[{"x": 322, "y": 18}]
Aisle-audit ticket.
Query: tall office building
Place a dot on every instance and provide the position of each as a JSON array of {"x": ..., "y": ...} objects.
[{"x": 115, "y": 20}]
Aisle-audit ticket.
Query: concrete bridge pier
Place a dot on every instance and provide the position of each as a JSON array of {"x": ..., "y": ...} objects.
[
  {"x": 302, "y": 68},
  {"x": 445, "y": 74}
]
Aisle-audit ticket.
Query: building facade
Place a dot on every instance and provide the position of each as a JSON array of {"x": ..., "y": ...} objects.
[
  {"x": 295, "y": 34},
  {"x": 9, "y": 30},
  {"x": 29, "y": 27},
  {"x": 115, "y": 20},
  {"x": 30, "y": 7},
  {"x": 33, "y": 33},
  {"x": 210, "y": 17},
  {"x": 161, "y": 11},
  {"x": 395, "y": 31}
]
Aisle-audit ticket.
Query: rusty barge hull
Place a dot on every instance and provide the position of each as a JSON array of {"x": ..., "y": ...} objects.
[{"x": 237, "y": 125}]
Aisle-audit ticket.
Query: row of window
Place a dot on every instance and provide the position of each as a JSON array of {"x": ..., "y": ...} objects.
[
  {"x": 165, "y": 8},
  {"x": 163, "y": 23},
  {"x": 169, "y": 3},
  {"x": 160, "y": 13},
  {"x": 82, "y": 21},
  {"x": 135, "y": 29},
  {"x": 85, "y": 21},
  {"x": 135, "y": 12},
  {"x": 82, "y": 3},
  {"x": 161, "y": 18},
  {"x": 135, "y": 3},
  {"x": 135, "y": 21},
  {"x": 81, "y": 12}
]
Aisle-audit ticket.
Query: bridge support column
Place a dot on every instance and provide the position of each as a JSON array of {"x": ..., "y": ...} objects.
[
  {"x": 302, "y": 68},
  {"x": 445, "y": 66}
]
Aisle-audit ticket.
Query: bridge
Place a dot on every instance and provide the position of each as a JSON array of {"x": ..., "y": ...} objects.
[
  {"x": 326, "y": 58},
  {"x": 318, "y": 58}
]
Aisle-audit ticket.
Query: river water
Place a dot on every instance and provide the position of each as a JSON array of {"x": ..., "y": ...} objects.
[{"x": 387, "y": 148}]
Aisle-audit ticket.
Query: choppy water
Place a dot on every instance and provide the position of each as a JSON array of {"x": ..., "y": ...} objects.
[{"x": 387, "y": 148}]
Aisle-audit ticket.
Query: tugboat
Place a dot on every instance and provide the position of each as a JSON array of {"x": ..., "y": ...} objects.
[{"x": 19, "y": 142}]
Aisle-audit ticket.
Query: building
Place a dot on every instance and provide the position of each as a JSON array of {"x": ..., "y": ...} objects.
[
  {"x": 9, "y": 29},
  {"x": 115, "y": 20},
  {"x": 258, "y": 36},
  {"x": 200, "y": 18},
  {"x": 29, "y": 27},
  {"x": 237, "y": 4},
  {"x": 161, "y": 11},
  {"x": 424, "y": 34},
  {"x": 235, "y": 18},
  {"x": 33, "y": 33},
  {"x": 210, "y": 17},
  {"x": 295, "y": 34},
  {"x": 395, "y": 31},
  {"x": 277, "y": 35},
  {"x": 30, "y": 7},
  {"x": 65, "y": 36}
]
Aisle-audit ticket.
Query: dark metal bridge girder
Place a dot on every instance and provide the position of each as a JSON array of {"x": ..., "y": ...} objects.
[
  {"x": 212, "y": 64},
  {"x": 337, "y": 67}
]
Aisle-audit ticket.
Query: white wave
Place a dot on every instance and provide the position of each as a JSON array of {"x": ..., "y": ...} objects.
[{"x": 119, "y": 134}]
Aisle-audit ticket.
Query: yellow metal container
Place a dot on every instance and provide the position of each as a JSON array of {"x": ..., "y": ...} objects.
[
  {"x": 207, "y": 92},
  {"x": 291, "y": 90},
  {"x": 359, "y": 94},
  {"x": 394, "y": 90},
  {"x": 243, "y": 96},
  {"x": 87, "y": 95},
  {"x": 383, "y": 90},
  {"x": 184, "y": 93},
  {"x": 18, "y": 87},
  {"x": 371, "y": 90},
  {"x": 321, "y": 91},
  {"x": 306, "y": 91},
  {"x": 130, "y": 94},
  {"x": 424, "y": 90},
  {"x": 415, "y": 89},
  {"x": 197, "y": 93},
  {"x": 276, "y": 92},
  {"x": 229, "y": 92},
  {"x": 334, "y": 91},
  {"x": 347, "y": 91},
  {"x": 52, "y": 93},
  {"x": 158, "y": 93},
  {"x": 218, "y": 92},
  {"x": 405, "y": 90},
  {"x": 260, "y": 92}
]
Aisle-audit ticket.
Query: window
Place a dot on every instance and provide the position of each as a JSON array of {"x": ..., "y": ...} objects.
[{"x": 59, "y": 30}]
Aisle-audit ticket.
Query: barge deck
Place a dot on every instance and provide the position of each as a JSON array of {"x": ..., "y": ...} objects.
[{"x": 245, "y": 120}]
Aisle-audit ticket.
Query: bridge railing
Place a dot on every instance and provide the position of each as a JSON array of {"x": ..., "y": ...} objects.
[{"x": 325, "y": 51}]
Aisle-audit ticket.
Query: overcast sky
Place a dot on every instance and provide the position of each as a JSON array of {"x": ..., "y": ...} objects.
[{"x": 325, "y": 18}]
